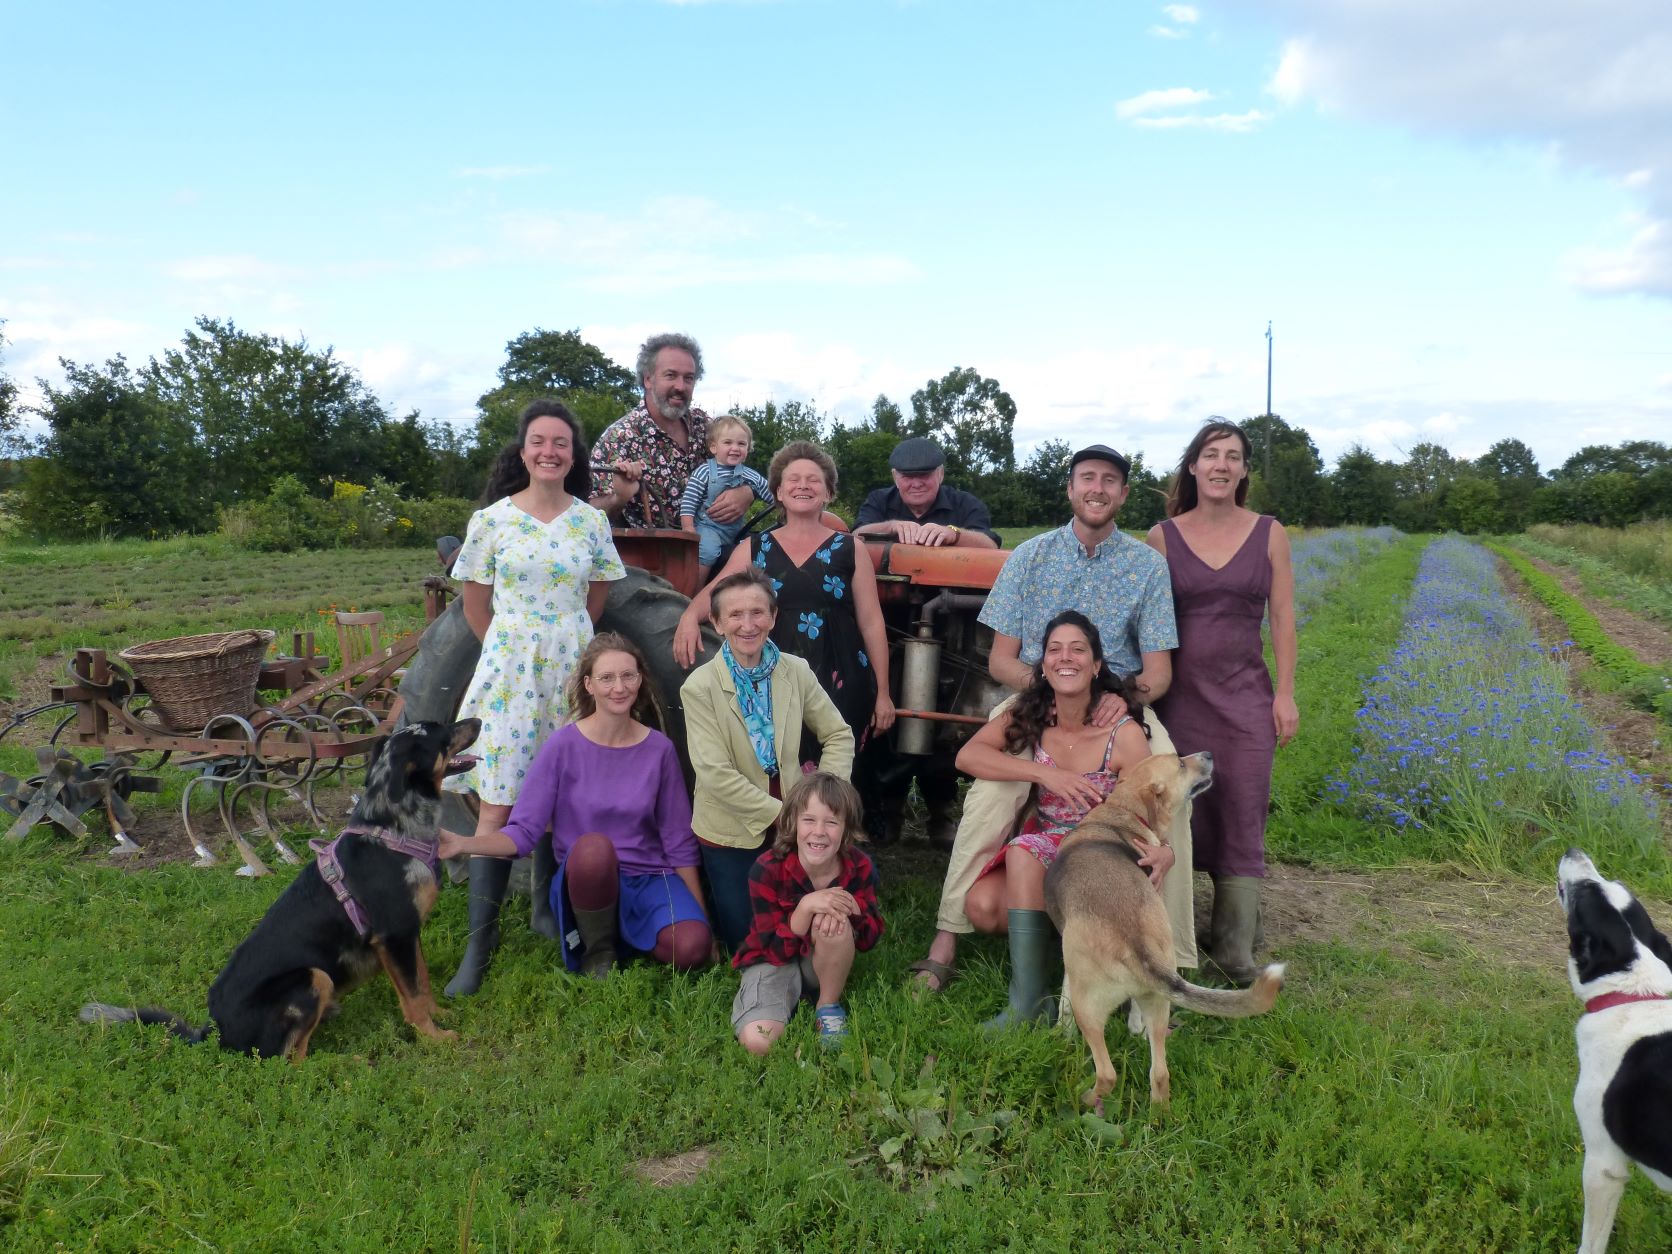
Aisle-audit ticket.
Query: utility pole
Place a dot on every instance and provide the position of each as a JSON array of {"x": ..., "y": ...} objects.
[{"x": 1268, "y": 396}]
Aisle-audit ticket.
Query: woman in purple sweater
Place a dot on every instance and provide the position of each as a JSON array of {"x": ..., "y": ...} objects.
[{"x": 609, "y": 788}]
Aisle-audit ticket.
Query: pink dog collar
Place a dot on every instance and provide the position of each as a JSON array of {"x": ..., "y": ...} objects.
[{"x": 1609, "y": 1000}]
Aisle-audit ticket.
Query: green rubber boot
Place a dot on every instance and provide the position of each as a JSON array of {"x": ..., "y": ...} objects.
[
  {"x": 488, "y": 880},
  {"x": 542, "y": 871},
  {"x": 1235, "y": 928},
  {"x": 597, "y": 929},
  {"x": 1035, "y": 954}
]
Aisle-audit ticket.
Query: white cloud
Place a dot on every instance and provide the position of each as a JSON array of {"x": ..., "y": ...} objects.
[
  {"x": 1588, "y": 83},
  {"x": 1237, "y": 123},
  {"x": 1168, "y": 32},
  {"x": 1162, "y": 98},
  {"x": 1445, "y": 423},
  {"x": 241, "y": 268},
  {"x": 1183, "y": 14}
]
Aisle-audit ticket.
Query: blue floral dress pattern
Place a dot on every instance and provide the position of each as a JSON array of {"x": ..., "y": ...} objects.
[
  {"x": 817, "y": 622},
  {"x": 540, "y": 573}
]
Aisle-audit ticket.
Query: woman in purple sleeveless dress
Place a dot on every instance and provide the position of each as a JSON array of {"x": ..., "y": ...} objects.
[{"x": 1229, "y": 565}]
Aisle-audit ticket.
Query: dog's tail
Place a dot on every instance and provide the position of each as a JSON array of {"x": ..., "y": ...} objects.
[
  {"x": 1227, "y": 1003},
  {"x": 101, "y": 1012}
]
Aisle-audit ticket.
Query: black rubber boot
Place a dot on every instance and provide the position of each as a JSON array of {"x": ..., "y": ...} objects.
[
  {"x": 488, "y": 879},
  {"x": 542, "y": 871},
  {"x": 1034, "y": 956},
  {"x": 1234, "y": 931},
  {"x": 597, "y": 929}
]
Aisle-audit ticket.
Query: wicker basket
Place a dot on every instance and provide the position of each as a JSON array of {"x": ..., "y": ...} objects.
[{"x": 193, "y": 678}]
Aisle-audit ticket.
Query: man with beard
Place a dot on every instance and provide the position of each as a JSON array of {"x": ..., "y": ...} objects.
[
  {"x": 641, "y": 462},
  {"x": 1091, "y": 566}
]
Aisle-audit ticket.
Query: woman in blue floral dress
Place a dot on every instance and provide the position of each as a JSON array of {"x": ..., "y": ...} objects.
[
  {"x": 534, "y": 573},
  {"x": 828, "y": 613}
]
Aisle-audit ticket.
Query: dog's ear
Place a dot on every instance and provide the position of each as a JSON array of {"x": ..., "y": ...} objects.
[
  {"x": 1155, "y": 806},
  {"x": 1599, "y": 939},
  {"x": 1643, "y": 928},
  {"x": 463, "y": 735}
]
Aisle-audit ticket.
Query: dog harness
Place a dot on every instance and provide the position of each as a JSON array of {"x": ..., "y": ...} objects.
[
  {"x": 1608, "y": 1001},
  {"x": 331, "y": 867}
]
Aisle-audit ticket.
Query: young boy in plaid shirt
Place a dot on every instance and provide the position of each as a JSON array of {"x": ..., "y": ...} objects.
[{"x": 814, "y": 895}]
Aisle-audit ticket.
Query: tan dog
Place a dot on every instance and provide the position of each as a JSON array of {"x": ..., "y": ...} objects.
[{"x": 1116, "y": 941}]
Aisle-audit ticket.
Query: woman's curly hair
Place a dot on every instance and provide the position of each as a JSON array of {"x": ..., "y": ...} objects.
[{"x": 1036, "y": 708}]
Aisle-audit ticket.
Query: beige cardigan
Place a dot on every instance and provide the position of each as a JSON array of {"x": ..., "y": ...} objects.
[{"x": 732, "y": 806}]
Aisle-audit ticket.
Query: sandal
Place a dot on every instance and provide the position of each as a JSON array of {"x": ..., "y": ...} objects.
[
  {"x": 833, "y": 1025},
  {"x": 942, "y": 973}
]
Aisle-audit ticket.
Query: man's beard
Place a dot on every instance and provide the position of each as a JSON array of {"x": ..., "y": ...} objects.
[{"x": 672, "y": 409}]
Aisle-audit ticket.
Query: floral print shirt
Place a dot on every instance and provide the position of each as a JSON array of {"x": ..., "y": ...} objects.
[
  {"x": 1123, "y": 587},
  {"x": 635, "y": 437}
]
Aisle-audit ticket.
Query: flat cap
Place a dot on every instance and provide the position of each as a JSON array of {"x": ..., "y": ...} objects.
[
  {"x": 916, "y": 456},
  {"x": 1101, "y": 453}
]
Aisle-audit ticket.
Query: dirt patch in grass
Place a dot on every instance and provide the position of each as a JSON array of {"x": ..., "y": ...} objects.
[
  {"x": 1412, "y": 913},
  {"x": 1651, "y": 642},
  {"x": 676, "y": 1169}
]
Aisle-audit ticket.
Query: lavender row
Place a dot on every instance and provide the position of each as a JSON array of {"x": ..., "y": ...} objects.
[
  {"x": 1468, "y": 730},
  {"x": 1322, "y": 560}
]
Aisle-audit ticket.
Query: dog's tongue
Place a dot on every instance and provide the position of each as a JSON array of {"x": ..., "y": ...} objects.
[{"x": 461, "y": 762}]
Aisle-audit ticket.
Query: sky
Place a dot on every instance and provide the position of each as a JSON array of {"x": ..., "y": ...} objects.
[{"x": 1457, "y": 218}]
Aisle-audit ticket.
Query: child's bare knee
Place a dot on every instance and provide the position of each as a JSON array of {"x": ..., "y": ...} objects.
[
  {"x": 833, "y": 944},
  {"x": 758, "y": 1037}
]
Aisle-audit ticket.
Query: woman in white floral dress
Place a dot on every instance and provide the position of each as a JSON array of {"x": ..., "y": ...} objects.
[{"x": 534, "y": 572}]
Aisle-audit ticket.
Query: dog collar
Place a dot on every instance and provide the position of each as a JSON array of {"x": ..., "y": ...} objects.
[{"x": 1608, "y": 1001}]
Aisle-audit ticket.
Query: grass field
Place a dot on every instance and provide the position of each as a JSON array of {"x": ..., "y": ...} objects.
[
  {"x": 1410, "y": 1091},
  {"x": 1643, "y": 550}
]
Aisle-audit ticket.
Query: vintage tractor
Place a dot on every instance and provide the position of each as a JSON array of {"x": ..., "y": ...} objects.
[{"x": 930, "y": 597}]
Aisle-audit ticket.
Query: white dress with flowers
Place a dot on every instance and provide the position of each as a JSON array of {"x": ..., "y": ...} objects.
[{"x": 540, "y": 573}]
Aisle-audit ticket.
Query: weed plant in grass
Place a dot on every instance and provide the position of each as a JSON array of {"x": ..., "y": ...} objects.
[
  {"x": 1471, "y": 749},
  {"x": 1649, "y": 597}
]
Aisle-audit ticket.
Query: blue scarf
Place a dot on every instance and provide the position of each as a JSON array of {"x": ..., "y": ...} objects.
[{"x": 754, "y": 699}]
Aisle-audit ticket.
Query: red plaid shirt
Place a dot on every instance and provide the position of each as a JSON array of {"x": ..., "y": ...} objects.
[{"x": 776, "y": 886}]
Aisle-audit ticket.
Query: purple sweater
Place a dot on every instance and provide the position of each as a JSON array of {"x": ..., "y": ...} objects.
[{"x": 636, "y": 796}]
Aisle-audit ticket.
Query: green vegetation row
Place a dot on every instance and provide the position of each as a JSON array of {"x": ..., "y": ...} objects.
[
  {"x": 1644, "y": 551},
  {"x": 1651, "y": 598},
  {"x": 1645, "y": 686}
]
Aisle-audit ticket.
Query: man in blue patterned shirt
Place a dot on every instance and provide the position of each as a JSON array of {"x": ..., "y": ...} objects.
[{"x": 1122, "y": 585}]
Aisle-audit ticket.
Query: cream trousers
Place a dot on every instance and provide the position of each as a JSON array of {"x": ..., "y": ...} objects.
[{"x": 990, "y": 810}]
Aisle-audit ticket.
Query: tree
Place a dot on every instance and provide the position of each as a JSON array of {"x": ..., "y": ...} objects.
[
  {"x": 408, "y": 460},
  {"x": 1634, "y": 457},
  {"x": 115, "y": 460},
  {"x": 1363, "y": 488},
  {"x": 1613, "y": 498},
  {"x": 771, "y": 426},
  {"x": 1471, "y": 506},
  {"x": 8, "y": 405},
  {"x": 969, "y": 416},
  {"x": 555, "y": 363},
  {"x": 1509, "y": 465},
  {"x": 260, "y": 407},
  {"x": 887, "y": 418},
  {"x": 1422, "y": 479}
]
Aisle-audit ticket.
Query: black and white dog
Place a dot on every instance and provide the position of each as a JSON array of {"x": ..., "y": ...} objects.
[{"x": 1621, "y": 968}]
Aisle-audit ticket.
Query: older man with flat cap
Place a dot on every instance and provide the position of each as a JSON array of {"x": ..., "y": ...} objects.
[
  {"x": 920, "y": 508},
  {"x": 1092, "y": 566}
]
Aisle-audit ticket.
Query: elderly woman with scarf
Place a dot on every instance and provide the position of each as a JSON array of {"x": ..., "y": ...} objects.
[{"x": 745, "y": 712}]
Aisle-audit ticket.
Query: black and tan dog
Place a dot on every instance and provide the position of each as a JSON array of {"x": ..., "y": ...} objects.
[
  {"x": 358, "y": 907},
  {"x": 1620, "y": 966},
  {"x": 1116, "y": 941}
]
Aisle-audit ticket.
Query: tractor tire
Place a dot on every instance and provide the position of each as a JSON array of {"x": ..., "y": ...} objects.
[
  {"x": 434, "y": 687},
  {"x": 646, "y": 610},
  {"x": 642, "y": 607}
]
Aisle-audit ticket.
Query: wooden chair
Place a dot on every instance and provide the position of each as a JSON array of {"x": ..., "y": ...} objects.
[{"x": 359, "y": 635}]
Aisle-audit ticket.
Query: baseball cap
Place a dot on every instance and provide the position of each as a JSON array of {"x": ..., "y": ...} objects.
[{"x": 1101, "y": 453}]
